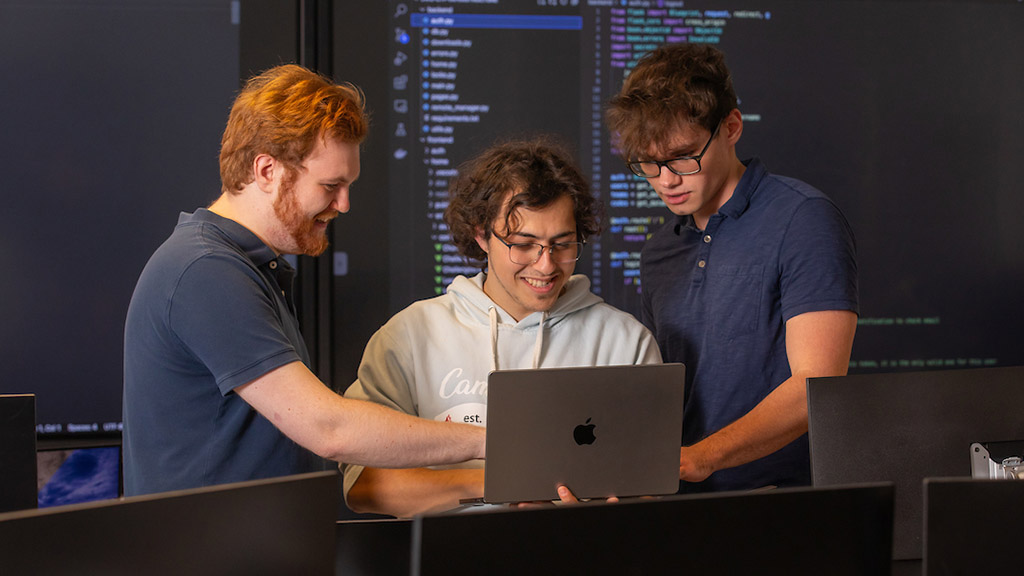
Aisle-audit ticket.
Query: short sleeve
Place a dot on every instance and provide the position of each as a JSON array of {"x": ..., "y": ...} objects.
[
  {"x": 223, "y": 312},
  {"x": 818, "y": 261}
]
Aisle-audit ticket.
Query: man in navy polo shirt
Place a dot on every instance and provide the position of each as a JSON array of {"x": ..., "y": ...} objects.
[
  {"x": 753, "y": 283},
  {"x": 217, "y": 387}
]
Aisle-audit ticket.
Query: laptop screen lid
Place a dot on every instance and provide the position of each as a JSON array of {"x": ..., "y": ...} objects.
[{"x": 602, "y": 431}]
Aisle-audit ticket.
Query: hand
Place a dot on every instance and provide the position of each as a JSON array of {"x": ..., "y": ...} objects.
[
  {"x": 565, "y": 496},
  {"x": 693, "y": 465}
]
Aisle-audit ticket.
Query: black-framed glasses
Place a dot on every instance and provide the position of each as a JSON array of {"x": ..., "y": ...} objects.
[
  {"x": 682, "y": 166},
  {"x": 530, "y": 252}
]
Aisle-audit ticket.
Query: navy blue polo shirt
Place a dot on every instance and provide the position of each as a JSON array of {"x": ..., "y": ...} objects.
[
  {"x": 718, "y": 300},
  {"x": 212, "y": 311}
]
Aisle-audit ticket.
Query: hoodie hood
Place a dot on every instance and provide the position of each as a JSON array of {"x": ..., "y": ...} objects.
[{"x": 474, "y": 305}]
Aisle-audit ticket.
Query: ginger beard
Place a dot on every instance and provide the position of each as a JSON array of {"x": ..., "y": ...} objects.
[{"x": 309, "y": 234}]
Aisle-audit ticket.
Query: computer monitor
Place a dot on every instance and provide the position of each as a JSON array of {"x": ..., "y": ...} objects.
[
  {"x": 373, "y": 547},
  {"x": 792, "y": 532},
  {"x": 904, "y": 427},
  {"x": 273, "y": 526},
  {"x": 78, "y": 470},
  {"x": 972, "y": 526},
  {"x": 17, "y": 451},
  {"x": 113, "y": 89},
  {"x": 862, "y": 100}
]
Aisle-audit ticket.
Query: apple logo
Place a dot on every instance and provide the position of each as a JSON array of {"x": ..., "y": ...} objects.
[{"x": 584, "y": 433}]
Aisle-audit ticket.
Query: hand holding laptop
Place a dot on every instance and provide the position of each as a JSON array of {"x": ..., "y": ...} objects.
[
  {"x": 553, "y": 427},
  {"x": 565, "y": 496}
]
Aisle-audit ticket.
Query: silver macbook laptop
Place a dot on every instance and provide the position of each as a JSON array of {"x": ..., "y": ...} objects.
[{"x": 602, "y": 431}]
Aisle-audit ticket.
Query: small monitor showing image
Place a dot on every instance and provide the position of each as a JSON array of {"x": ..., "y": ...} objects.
[{"x": 76, "y": 475}]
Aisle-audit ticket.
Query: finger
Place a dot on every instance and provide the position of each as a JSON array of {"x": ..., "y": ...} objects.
[{"x": 566, "y": 495}]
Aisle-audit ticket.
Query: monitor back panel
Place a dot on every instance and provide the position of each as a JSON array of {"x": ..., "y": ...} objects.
[
  {"x": 972, "y": 526},
  {"x": 17, "y": 452},
  {"x": 793, "y": 532},
  {"x": 275, "y": 526},
  {"x": 903, "y": 427},
  {"x": 373, "y": 547}
]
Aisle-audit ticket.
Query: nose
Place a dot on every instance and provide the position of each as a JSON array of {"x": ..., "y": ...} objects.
[
  {"x": 341, "y": 203},
  {"x": 545, "y": 264},
  {"x": 667, "y": 178}
]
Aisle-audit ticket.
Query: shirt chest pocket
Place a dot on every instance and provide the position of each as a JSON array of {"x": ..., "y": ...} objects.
[{"x": 735, "y": 296}]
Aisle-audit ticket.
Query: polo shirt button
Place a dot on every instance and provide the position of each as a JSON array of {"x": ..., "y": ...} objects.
[
  {"x": 273, "y": 264},
  {"x": 701, "y": 264},
  {"x": 707, "y": 239}
]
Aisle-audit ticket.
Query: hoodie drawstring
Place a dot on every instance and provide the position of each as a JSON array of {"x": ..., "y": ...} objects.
[
  {"x": 540, "y": 340},
  {"x": 492, "y": 314}
]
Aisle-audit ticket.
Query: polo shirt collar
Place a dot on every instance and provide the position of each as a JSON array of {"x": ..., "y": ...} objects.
[
  {"x": 740, "y": 200},
  {"x": 254, "y": 248}
]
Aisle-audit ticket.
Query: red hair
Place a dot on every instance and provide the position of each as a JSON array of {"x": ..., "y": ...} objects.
[{"x": 282, "y": 112}]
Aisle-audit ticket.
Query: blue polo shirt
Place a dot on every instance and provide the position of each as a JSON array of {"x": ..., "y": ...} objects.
[
  {"x": 718, "y": 300},
  {"x": 212, "y": 311}
]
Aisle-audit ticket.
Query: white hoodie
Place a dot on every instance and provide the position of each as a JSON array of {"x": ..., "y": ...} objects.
[{"x": 432, "y": 359}]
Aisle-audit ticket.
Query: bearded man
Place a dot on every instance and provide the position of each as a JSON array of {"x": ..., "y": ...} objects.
[{"x": 217, "y": 385}]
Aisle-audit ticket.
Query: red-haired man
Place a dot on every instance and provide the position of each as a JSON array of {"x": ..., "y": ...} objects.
[{"x": 217, "y": 387}]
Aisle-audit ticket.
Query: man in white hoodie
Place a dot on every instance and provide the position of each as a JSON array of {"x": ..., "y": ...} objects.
[{"x": 523, "y": 211}]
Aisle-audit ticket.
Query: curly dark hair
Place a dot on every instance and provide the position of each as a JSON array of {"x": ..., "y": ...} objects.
[
  {"x": 674, "y": 85},
  {"x": 522, "y": 173}
]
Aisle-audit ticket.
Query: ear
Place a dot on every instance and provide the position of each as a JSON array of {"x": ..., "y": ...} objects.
[
  {"x": 265, "y": 167},
  {"x": 732, "y": 125},
  {"x": 481, "y": 240}
]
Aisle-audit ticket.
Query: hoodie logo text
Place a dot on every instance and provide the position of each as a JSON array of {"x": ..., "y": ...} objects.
[{"x": 454, "y": 385}]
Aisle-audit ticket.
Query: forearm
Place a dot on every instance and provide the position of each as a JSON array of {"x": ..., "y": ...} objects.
[
  {"x": 407, "y": 492},
  {"x": 817, "y": 344},
  {"x": 374, "y": 435},
  {"x": 356, "y": 431},
  {"x": 775, "y": 422}
]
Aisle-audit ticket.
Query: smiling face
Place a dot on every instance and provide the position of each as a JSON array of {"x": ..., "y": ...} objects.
[
  {"x": 522, "y": 289},
  {"x": 309, "y": 198}
]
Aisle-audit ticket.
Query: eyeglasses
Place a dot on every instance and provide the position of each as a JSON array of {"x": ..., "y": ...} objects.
[
  {"x": 682, "y": 166},
  {"x": 530, "y": 252}
]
